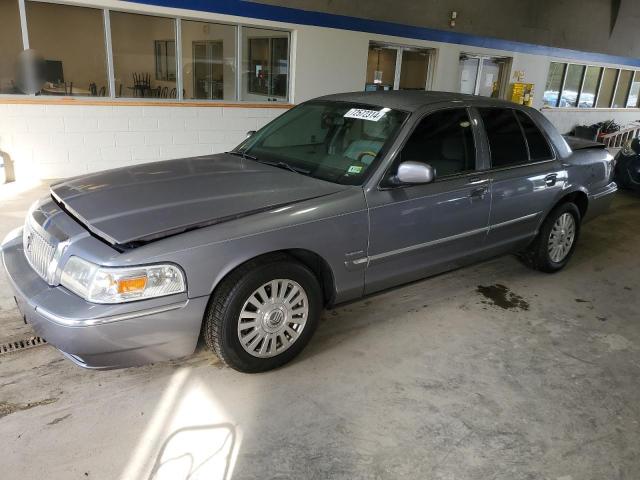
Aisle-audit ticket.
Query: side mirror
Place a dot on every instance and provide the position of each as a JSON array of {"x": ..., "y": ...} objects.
[
  {"x": 415, "y": 172},
  {"x": 250, "y": 133}
]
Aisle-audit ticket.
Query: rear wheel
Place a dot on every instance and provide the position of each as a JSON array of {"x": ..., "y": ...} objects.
[
  {"x": 556, "y": 240},
  {"x": 263, "y": 314}
]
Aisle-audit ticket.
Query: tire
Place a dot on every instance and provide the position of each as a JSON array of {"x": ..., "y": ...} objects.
[
  {"x": 283, "y": 326},
  {"x": 622, "y": 176},
  {"x": 541, "y": 255}
]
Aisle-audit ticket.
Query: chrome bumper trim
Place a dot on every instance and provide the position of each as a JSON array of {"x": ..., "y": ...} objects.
[{"x": 68, "y": 322}]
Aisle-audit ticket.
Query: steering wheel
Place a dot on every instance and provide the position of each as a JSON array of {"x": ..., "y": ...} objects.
[{"x": 365, "y": 154}]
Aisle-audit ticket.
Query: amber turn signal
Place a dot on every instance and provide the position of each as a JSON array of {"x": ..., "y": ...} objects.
[{"x": 128, "y": 285}]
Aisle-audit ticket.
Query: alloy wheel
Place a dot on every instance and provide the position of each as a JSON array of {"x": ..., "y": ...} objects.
[
  {"x": 272, "y": 318},
  {"x": 561, "y": 237}
]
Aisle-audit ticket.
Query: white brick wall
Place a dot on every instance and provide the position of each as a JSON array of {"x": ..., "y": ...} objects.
[{"x": 55, "y": 141}]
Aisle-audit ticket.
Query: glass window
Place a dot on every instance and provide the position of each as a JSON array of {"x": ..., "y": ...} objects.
[
  {"x": 381, "y": 67},
  {"x": 569, "y": 97},
  {"x": 11, "y": 41},
  {"x": 590, "y": 87},
  {"x": 608, "y": 83},
  {"x": 622, "y": 90},
  {"x": 469, "y": 67},
  {"x": 265, "y": 64},
  {"x": 334, "y": 141},
  {"x": 71, "y": 42},
  {"x": 538, "y": 146},
  {"x": 506, "y": 142},
  {"x": 443, "y": 140},
  {"x": 634, "y": 94},
  {"x": 208, "y": 60},
  {"x": 491, "y": 77},
  {"x": 554, "y": 84},
  {"x": 413, "y": 69},
  {"x": 165, "y": 59},
  {"x": 140, "y": 69}
]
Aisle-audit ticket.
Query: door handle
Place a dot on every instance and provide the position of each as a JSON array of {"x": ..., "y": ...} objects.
[
  {"x": 479, "y": 192},
  {"x": 550, "y": 180}
]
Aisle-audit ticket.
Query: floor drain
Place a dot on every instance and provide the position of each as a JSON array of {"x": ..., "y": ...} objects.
[{"x": 19, "y": 345}]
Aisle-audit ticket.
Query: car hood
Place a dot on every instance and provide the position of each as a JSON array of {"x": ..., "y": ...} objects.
[{"x": 146, "y": 202}]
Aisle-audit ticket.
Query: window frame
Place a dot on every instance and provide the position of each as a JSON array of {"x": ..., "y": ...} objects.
[
  {"x": 420, "y": 116},
  {"x": 603, "y": 68},
  {"x": 240, "y": 62},
  {"x": 481, "y": 57},
  {"x": 177, "y": 19},
  {"x": 400, "y": 48},
  {"x": 490, "y": 167}
]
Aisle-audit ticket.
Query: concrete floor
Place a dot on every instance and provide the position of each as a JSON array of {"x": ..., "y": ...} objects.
[{"x": 440, "y": 379}]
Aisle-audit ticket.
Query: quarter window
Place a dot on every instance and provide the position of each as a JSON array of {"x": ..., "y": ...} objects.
[
  {"x": 506, "y": 142},
  {"x": 443, "y": 140},
  {"x": 538, "y": 146}
]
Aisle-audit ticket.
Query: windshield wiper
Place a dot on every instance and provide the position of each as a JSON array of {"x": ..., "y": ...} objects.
[
  {"x": 285, "y": 166},
  {"x": 279, "y": 164},
  {"x": 242, "y": 154}
]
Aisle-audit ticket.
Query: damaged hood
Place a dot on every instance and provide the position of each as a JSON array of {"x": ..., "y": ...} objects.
[{"x": 154, "y": 200}]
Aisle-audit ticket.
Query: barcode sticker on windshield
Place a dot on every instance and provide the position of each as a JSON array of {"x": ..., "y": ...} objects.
[{"x": 362, "y": 114}]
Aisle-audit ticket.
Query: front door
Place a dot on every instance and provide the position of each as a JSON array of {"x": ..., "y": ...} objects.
[{"x": 418, "y": 230}]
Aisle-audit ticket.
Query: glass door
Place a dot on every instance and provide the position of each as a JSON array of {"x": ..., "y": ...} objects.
[
  {"x": 392, "y": 67},
  {"x": 469, "y": 67},
  {"x": 483, "y": 75},
  {"x": 413, "y": 69},
  {"x": 381, "y": 68}
]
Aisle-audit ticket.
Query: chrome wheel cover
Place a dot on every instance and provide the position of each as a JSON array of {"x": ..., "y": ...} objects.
[
  {"x": 561, "y": 237},
  {"x": 272, "y": 318}
]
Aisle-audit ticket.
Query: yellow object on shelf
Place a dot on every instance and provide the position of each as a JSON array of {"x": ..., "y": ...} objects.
[{"x": 522, "y": 93}]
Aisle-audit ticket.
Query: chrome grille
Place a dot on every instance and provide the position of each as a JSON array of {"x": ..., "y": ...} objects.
[{"x": 38, "y": 251}]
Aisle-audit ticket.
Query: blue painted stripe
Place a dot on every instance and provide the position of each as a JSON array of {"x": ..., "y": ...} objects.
[{"x": 243, "y": 8}]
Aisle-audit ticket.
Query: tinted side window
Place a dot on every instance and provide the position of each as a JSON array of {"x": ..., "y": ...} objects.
[
  {"x": 444, "y": 140},
  {"x": 538, "y": 146},
  {"x": 505, "y": 137}
]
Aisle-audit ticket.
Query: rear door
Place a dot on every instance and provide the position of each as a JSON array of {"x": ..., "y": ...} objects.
[
  {"x": 418, "y": 230},
  {"x": 525, "y": 175}
]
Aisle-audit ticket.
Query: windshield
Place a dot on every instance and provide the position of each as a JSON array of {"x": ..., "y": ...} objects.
[{"x": 334, "y": 141}]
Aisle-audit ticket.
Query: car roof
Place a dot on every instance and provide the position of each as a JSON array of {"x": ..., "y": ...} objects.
[{"x": 412, "y": 100}]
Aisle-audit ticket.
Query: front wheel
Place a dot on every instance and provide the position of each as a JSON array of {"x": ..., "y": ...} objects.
[
  {"x": 556, "y": 240},
  {"x": 263, "y": 314}
]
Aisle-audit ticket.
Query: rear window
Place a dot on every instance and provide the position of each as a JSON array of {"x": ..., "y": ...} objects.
[
  {"x": 538, "y": 146},
  {"x": 506, "y": 142}
]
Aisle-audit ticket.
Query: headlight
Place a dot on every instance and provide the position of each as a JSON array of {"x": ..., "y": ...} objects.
[{"x": 121, "y": 284}]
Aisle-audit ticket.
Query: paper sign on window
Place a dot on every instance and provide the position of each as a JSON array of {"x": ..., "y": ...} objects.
[{"x": 362, "y": 114}]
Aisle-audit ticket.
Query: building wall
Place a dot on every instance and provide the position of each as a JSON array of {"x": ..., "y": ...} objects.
[
  {"x": 54, "y": 141},
  {"x": 587, "y": 25},
  {"x": 45, "y": 140}
]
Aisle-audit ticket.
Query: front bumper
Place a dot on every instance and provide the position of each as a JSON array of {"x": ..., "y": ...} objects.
[{"x": 103, "y": 336}]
